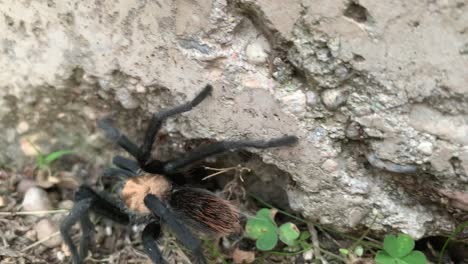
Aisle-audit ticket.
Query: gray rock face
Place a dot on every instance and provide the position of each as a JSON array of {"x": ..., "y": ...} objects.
[{"x": 377, "y": 92}]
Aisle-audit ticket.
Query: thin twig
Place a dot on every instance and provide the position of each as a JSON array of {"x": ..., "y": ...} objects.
[
  {"x": 315, "y": 242},
  {"x": 57, "y": 211},
  {"x": 237, "y": 168},
  {"x": 40, "y": 241}
]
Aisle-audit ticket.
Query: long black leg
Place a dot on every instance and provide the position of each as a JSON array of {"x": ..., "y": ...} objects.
[
  {"x": 86, "y": 199},
  {"x": 102, "y": 206},
  {"x": 126, "y": 164},
  {"x": 158, "y": 119},
  {"x": 115, "y": 135},
  {"x": 223, "y": 146},
  {"x": 126, "y": 168},
  {"x": 150, "y": 234},
  {"x": 81, "y": 207},
  {"x": 180, "y": 230},
  {"x": 112, "y": 172},
  {"x": 87, "y": 229},
  {"x": 143, "y": 153}
]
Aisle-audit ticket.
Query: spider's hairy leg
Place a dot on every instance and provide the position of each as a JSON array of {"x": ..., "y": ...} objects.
[
  {"x": 79, "y": 209},
  {"x": 150, "y": 234},
  {"x": 115, "y": 135},
  {"x": 126, "y": 164},
  {"x": 183, "y": 234},
  {"x": 224, "y": 146},
  {"x": 158, "y": 119},
  {"x": 86, "y": 199},
  {"x": 126, "y": 168}
]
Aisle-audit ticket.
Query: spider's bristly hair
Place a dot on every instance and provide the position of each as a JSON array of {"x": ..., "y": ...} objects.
[{"x": 205, "y": 211}]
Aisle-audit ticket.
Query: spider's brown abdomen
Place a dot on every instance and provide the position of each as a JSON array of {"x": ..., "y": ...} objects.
[
  {"x": 206, "y": 211},
  {"x": 136, "y": 188}
]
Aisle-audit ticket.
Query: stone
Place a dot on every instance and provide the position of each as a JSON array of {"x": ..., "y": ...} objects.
[
  {"x": 334, "y": 98},
  {"x": 46, "y": 229},
  {"x": 425, "y": 147},
  {"x": 257, "y": 51},
  {"x": 312, "y": 98},
  {"x": 36, "y": 199}
]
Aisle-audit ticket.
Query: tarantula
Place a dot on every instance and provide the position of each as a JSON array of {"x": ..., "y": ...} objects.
[{"x": 155, "y": 190}]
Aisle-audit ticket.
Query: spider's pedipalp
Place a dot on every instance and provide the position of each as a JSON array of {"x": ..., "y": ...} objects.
[
  {"x": 136, "y": 188},
  {"x": 206, "y": 211}
]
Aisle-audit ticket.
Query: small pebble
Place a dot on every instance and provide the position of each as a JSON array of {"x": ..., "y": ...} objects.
[
  {"x": 31, "y": 235},
  {"x": 308, "y": 255},
  {"x": 66, "y": 204},
  {"x": 45, "y": 228},
  {"x": 65, "y": 250},
  {"x": 108, "y": 231},
  {"x": 60, "y": 256},
  {"x": 425, "y": 148},
  {"x": 256, "y": 53},
  {"x": 2, "y": 201},
  {"x": 24, "y": 185},
  {"x": 22, "y": 127},
  {"x": 354, "y": 131},
  {"x": 330, "y": 165},
  {"x": 36, "y": 199},
  {"x": 334, "y": 98},
  {"x": 312, "y": 99}
]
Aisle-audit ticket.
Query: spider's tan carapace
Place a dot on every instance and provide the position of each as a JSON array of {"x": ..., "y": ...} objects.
[{"x": 136, "y": 188}]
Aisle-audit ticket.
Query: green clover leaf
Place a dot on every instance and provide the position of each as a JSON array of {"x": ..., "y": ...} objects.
[
  {"x": 399, "y": 250},
  {"x": 289, "y": 233}
]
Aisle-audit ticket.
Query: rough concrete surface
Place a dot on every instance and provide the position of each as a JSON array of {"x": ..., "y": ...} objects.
[{"x": 377, "y": 91}]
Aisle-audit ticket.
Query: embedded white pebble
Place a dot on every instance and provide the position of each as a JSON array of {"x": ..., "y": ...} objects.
[
  {"x": 425, "y": 147},
  {"x": 46, "y": 231},
  {"x": 256, "y": 51},
  {"x": 108, "y": 231},
  {"x": 334, "y": 98},
  {"x": 36, "y": 199},
  {"x": 312, "y": 98},
  {"x": 60, "y": 256}
]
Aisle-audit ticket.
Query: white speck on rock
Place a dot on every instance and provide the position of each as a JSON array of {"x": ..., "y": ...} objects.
[
  {"x": 295, "y": 102},
  {"x": 312, "y": 98},
  {"x": 330, "y": 165},
  {"x": 256, "y": 51},
  {"x": 22, "y": 127},
  {"x": 126, "y": 99},
  {"x": 425, "y": 148},
  {"x": 334, "y": 98}
]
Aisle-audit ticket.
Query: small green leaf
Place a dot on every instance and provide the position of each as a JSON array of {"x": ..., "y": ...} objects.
[
  {"x": 305, "y": 245},
  {"x": 398, "y": 246},
  {"x": 288, "y": 233},
  {"x": 255, "y": 228},
  {"x": 415, "y": 257},
  {"x": 267, "y": 241},
  {"x": 40, "y": 161},
  {"x": 304, "y": 235},
  {"x": 359, "y": 251},
  {"x": 344, "y": 251},
  {"x": 55, "y": 155},
  {"x": 384, "y": 258},
  {"x": 267, "y": 214}
]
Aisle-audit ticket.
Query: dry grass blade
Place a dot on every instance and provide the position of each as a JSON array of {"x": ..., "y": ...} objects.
[
  {"x": 57, "y": 211},
  {"x": 40, "y": 241}
]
